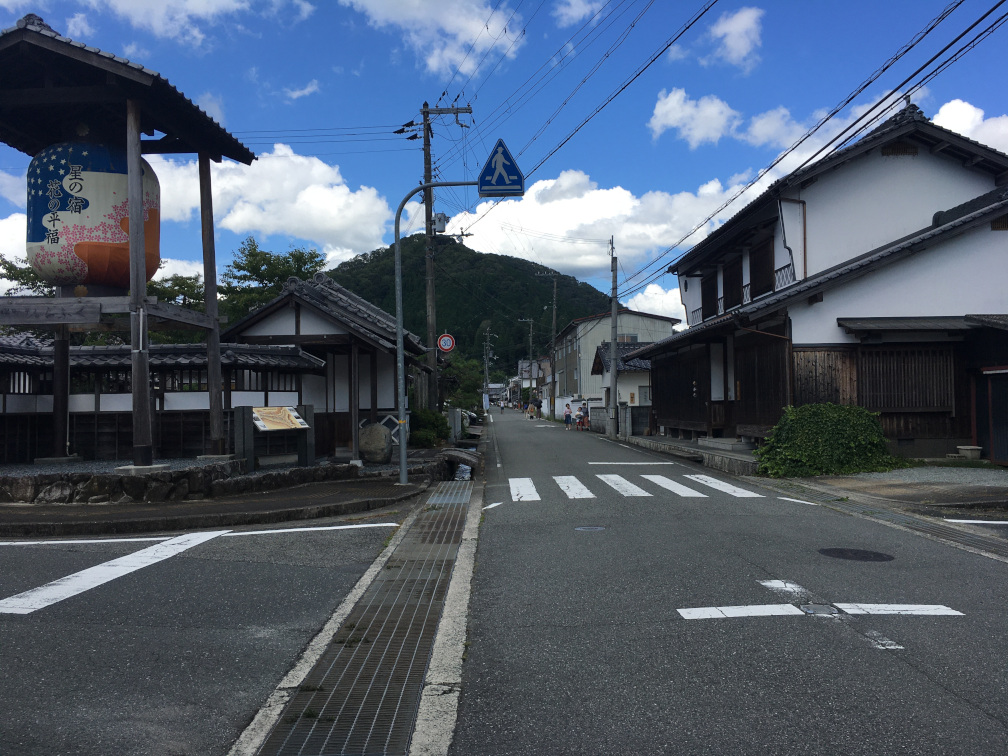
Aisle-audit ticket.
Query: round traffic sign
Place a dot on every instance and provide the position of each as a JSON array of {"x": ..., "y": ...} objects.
[{"x": 446, "y": 342}]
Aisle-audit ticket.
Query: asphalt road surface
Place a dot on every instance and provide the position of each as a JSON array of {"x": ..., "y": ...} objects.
[
  {"x": 626, "y": 604},
  {"x": 165, "y": 646}
]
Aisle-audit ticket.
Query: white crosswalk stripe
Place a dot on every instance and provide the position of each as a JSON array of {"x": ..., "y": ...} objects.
[
  {"x": 523, "y": 489},
  {"x": 671, "y": 485},
  {"x": 728, "y": 488},
  {"x": 622, "y": 485},
  {"x": 573, "y": 487}
]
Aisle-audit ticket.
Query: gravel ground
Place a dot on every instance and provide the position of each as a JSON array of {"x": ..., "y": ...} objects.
[{"x": 972, "y": 476}]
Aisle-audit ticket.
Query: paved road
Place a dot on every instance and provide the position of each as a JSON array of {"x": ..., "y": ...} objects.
[
  {"x": 625, "y": 605},
  {"x": 166, "y": 646}
]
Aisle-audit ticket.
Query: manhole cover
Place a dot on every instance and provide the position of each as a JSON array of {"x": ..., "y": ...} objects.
[
  {"x": 857, "y": 555},
  {"x": 822, "y": 610},
  {"x": 589, "y": 528}
]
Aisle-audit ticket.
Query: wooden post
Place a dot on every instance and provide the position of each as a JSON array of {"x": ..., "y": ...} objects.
[
  {"x": 143, "y": 453},
  {"x": 374, "y": 386},
  {"x": 355, "y": 399},
  {"x": 214, "y": 382},
  {"x": 61, "y": 390}
]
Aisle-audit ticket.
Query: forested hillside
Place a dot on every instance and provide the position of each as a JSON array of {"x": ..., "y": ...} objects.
[{"x": 474, "y": 291}]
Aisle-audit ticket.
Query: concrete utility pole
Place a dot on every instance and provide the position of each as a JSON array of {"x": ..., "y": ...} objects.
[
  {"x": 613, "y": 403},
  {"x": 553, "y": 388},
  {"x": 529, "y": 321},
  {"x": 432, "y": 334}
]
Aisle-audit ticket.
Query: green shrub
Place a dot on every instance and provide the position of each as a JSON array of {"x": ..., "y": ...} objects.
[
  {"x": 825, "y": 439},
  {"x": 428, "y": 420},
  {"x": 423, "y": 439}
]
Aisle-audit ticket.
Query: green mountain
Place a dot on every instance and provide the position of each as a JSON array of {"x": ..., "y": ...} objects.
[{"x": 474, "y": 291}]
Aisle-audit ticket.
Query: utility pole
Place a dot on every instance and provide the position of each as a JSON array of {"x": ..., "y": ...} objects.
[
  {"x": 529, "y": 321},
  {"x": 613, "y": 404},
  {"x": 553, "y": 387},
  {"x": 432, "y": 394}
]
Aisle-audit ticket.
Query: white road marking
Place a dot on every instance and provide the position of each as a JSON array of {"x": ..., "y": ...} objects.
[
  {"x": 573, "y": 487},
  {"x": 979, "y": 522},
  {"x": 757, "y": 610},
  {"x": 622, "y": 485},
  {"x": 798, "y": 501},
  {"x": 928, "y": 610},
  {"x": 523, "y": 489},
  {"x": 85, "y": 580},
  {"x": 311, "y": 529},
  {"x": 671, "y": 485},
  {"x": 77, "y": 542},
  {"x": 491, "y": 506},
  {"x": 728, "y": 488},
  {"x": 785, "y": 587},
  {"x": 630, "y": 464},
  {"x": 880, "y": 642}
]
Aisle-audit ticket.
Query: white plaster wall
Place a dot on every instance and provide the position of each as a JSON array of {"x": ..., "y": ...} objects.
[
  {"x": 690, "y": 295},
  {"x": 874, "y": 200},
  {"x": 109, "y": 403},
  {"x": 23, "y": 403},
  {"x": 339, "y": 382},
  {"x": 957, "y": 278},
  {"x": 247, "y": 399},
  {"x": 187, "y": 400},
  {"x": 591, "y": 335},
  {"x": 283, "y": 399},
  {"x": 313, "y": 323},
  {"x": 82, "y": 402},
  {"x": 280, "y": 323},
  {"x": 386, "y": 380}
]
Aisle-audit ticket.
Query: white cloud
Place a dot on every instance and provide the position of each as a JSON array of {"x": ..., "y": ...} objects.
[
  {"x": 281, "y": 193},
  {"x": 968, "y": 120},
  {"x": 738, "y": 36},
  {"x": 212, "y": 105},
  {"x": 13, "y": 188},
  {"x": 443, "y": 34},
  {"x": 570, "y": 12},
  {"x": 134, "y": 51},
  {"x": 77, "y": 27},
  {"x": 13, "y": 235},
  {"x": 697, "y": 121},
  {"x": 657, "y": 301},
  {"x": 775, "y": 128},
  {"x": 171, "y": 267},
  {"x": 296, "y": 94}
]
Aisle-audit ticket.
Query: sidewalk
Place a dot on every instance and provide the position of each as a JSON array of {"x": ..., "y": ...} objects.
[
  {"x": 307, "y": 501},
  {"x": 913, "y": 487}
]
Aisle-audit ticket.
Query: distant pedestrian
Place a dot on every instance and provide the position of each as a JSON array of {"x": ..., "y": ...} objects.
[
  {"x": 567, "y": 417},
  {"x": 583, "y": 425}
]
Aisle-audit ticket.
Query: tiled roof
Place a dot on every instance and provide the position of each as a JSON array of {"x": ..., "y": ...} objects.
[{"x": 624, "y": 362}]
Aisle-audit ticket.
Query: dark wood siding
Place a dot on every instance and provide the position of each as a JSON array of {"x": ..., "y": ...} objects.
[
  {"x": 825, "y": 375},
  {"x": 760, "y": 383},
  {"x": 907, "y": 378},
  {"x": 761, "y": 269},
  {"x": 672, "y": 388},
  {"x": 732, "y": 277}
]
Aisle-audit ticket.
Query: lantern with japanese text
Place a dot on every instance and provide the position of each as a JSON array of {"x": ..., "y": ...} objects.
[{"x": 78, "y": 216}]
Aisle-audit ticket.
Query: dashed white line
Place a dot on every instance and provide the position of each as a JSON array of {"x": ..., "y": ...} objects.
[
  {"x": 573, "y": 487},
  {"x": 85, "y": 580},
  {"x": 491, "y": 506},
  {"x": 622, "y": 485},
  {"x": 728, "y": 488},
  {"x": 756, "y": 610},
  {"x": 523, "y": 489},
  {"x": 156, "y": 539},
  {"x": 928, "y": 610},
  {"x": 671, "y": 485}
]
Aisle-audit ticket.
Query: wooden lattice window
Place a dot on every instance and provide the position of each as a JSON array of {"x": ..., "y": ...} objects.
[
  {"x": 899, "y": 149},
  {"x": 907, "y": 378},
  {"x": 1000, "y": 223}
]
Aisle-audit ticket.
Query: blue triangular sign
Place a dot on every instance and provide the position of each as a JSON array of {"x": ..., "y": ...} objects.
[{"x": 501, "y": 176}]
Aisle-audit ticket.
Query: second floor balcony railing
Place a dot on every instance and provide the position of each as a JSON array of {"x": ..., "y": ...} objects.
[{"x": 784, "y": 276}]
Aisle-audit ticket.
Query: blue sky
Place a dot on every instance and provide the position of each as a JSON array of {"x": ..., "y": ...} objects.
[{"x": 316, "y": 89}]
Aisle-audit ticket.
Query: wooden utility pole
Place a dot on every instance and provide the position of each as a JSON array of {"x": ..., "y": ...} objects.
[
  {"x": 432, "y": 334},
  {"x": 553, "y": 388},
  {"x": 612, "y": 420}
]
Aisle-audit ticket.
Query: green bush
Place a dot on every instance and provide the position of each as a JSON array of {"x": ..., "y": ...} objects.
[
  {"x": 423, "y": 439},
  {"x": 428, "y": 420},
  {"x": 825, "y": 439}
]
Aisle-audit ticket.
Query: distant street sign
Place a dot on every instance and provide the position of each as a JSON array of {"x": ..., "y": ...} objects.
[
  {"x": 501, "y": 176},
  {"x": 446, "y": 342}
]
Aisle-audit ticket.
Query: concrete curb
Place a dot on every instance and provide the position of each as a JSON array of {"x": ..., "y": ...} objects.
[{"x": 204, "y": 520}]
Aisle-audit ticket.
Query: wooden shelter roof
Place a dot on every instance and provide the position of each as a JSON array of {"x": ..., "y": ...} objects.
[{"x": 53, "y": 88}]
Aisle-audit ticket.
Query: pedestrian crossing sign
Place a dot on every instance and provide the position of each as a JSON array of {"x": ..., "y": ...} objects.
[{"x": 501, "y": 176}]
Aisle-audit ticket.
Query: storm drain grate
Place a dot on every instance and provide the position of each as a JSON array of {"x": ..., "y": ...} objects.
[{"x": 362, "y": 695}]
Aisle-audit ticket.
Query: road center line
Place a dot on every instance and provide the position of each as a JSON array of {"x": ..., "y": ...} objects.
[
  {"x": 756, "y": 610},
  {"x": 85, "y": 580},
  {"x": 929, "y": 610}
]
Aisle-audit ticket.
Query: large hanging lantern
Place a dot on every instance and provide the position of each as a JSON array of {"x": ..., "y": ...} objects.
[{"x": 78, "y": 215}]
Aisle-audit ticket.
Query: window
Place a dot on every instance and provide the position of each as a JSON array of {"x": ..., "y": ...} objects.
[
  {"x": 907, "y": 378},
  {"x": 626, "y": 338}
]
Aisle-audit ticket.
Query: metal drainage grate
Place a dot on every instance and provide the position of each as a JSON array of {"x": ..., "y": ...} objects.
[{"x": 363, "y": 693}]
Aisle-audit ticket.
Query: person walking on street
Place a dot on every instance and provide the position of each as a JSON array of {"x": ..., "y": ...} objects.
[{"x": 567, "y": 417}]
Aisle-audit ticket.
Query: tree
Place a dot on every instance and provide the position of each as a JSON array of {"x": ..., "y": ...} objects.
[
  {"x": 24, "y": 278},
  {"x": 255, "y": 276},
  {"x": 185, "y": 291},
  {"x": 461, "y": 383}
]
